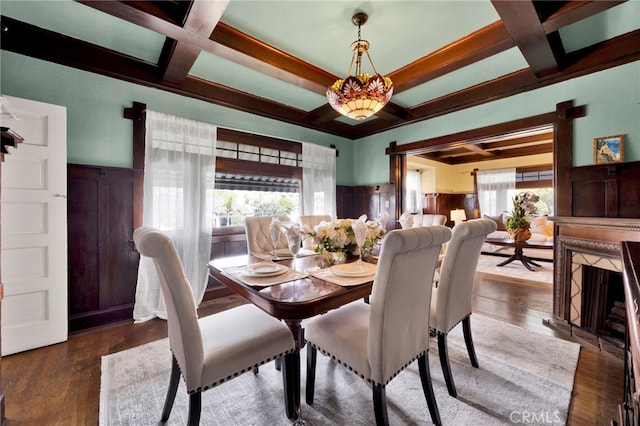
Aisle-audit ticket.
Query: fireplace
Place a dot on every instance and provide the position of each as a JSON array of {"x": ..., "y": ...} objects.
[{"x": 588, "y": 291}]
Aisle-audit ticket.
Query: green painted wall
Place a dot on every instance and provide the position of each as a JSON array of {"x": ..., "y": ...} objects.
[
  {"x": 98, "y": 135},
  {"x": 612, "y": 98}
]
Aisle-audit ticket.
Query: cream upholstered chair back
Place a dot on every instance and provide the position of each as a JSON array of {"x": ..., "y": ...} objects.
[
  {"x": 258, "y": 236},
  {"x": 182, "y": 318},
  {"x": 452, "y": 296},
  {"x": 428, "y": 219},
  {"x": 402, "y": 284},
  {"x": 307, "y": 223}
]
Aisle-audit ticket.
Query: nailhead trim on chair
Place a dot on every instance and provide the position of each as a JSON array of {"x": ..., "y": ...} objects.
[
  {"x": 451, "y": 328},
  {"x": 360, "y": 374},
  {"x": 236, "y": 374}
]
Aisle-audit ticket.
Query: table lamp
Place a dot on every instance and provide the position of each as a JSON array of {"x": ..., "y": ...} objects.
[{"x": 458, "y": 216}]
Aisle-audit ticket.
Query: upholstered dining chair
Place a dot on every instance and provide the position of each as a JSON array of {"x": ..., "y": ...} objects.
[
  {"x": 211, "y": 350},
  {"x": 378, "y": 340},
  {"x": 451, "y": 299},
  {"x": 307, "y": 223},
  {"x": 258, "y": 236}
]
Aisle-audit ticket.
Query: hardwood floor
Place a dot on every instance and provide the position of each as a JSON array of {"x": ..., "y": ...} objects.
[{"x": 60, "y": 384}]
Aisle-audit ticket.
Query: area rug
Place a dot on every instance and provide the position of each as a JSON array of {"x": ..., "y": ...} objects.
[
  {"x": 522, "y": 375},
  {"x": 487, "y": 266}
]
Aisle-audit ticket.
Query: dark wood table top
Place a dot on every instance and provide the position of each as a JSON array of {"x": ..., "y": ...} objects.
[
  {"x": 508, "y": 242},
  {"x": 294, "y": 300}
]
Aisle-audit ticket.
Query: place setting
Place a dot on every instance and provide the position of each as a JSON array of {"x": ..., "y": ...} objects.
[
  {"x": 269, "y": 273},
  {"x": 265, "y": 273}
]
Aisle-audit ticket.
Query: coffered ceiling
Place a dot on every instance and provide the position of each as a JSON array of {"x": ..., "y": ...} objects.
[{"x": 276, "y": 58}]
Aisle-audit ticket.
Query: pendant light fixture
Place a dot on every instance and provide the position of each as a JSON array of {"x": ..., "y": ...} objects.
[{"x": 361, "y": 95}]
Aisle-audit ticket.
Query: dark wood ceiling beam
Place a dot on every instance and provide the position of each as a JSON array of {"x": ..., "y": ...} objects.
[
  {"x": 610, "y": 53},
  {"x": 477, "y": 149},
  {"x": 522, "y": 21},
  {"x": 487, "y": 145},
  {"x": 508, "y": 153},
  {"x": 220, "y": 95},
  {"x": 236, "y": 46},
  {"x": 170, "y": 11},
  {"x": 499, "y": 88},
  {"x": 479, "y": 45},
  {"x": 614, "y": 52},
  {"x": 323, "y": 114},
  {"x": 480, "y": 134},
  {"x": 201, "y": 19},
  {"x": 573, "y": 11},
  {"x": 29, "y": 40},
  {"x": 243, "y": 49},
  {"x": 228, "y": 43},
  {"x": 143, "y": 17}
]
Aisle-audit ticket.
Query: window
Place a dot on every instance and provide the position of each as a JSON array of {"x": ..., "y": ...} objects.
[
  {"x": 255, "y": 176},
  {"x": 239, "y": 196}
]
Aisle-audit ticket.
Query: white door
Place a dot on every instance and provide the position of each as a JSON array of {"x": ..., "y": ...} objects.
[{"x": 34, "y": 227}]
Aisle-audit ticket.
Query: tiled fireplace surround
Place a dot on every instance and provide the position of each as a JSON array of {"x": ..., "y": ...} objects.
[{"x": 585, "y": 241}]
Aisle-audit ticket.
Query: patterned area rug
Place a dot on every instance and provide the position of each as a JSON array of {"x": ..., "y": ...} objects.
[
  {"x": 487, "y": 266},
  {"x": 522, "y": 375}
]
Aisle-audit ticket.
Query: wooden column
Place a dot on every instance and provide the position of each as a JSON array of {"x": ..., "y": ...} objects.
[
  {"x": 137, "y": 113},
  {"x": 563, "y": 155},
  {"x": 397, "y": 173}
]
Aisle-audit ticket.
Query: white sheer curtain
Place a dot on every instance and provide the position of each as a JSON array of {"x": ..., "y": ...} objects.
[
  {"x": 496, "y": 189},
  {"x": 318, "y": 180},
  {"x": 413, "y": 192},
  {"x": 179, "y": 174}
]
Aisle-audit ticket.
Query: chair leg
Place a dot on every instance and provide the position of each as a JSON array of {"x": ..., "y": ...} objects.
[
  {"x": 312, "y": 354},
  {"x": 195, "y": 407},
  {"x": 468, "y": 340},
  {"x": 380, "y": 405},
  {"x": 444, "y": 362},
  {"x": 427, "y": 388},
  {"x": 174, "y": 380},
  {"x": 278, "y": 363}
]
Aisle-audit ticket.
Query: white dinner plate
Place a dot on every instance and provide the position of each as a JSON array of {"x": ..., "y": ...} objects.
[
  {"x": 354, "y": 269},
  {"x": 265, "y": 269}
]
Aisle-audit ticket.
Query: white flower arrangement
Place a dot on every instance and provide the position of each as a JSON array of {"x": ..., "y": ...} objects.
[{"x": 338, "y": 236}]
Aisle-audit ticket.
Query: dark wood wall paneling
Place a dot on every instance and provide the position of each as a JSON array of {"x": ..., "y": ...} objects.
[
  {"x": 103, "y": 263},
  {"x": 606, "y": 190},
  {"x": 440, "y": 203}
]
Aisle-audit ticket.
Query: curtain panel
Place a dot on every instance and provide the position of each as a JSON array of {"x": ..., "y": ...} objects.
[
  {"x": 318, "y": 180},
  {"x": 413, "y": 193},
  {"x": 496, "y": 188},
  {"x": 179, "y": 175}
]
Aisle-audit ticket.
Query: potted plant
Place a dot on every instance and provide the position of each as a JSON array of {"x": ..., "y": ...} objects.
[{"x": 518, "y": 222}]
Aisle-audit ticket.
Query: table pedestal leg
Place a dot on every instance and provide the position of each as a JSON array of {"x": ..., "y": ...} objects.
[
  {"x": 292, "y": 368},
  {"x": 518, "y": 255}
]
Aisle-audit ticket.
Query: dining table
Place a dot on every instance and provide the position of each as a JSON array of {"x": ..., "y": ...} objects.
[{"x": 296, "y": 290}]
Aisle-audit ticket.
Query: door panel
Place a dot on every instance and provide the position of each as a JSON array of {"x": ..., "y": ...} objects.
[{"x": 34, "y": 228}]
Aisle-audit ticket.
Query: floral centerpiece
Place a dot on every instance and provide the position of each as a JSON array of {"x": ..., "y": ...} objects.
[
  {"x": 338, "y": 237},
  {"x": 518, "y": 222}
]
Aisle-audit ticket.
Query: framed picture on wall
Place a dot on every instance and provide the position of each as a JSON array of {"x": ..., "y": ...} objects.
[{"x": 609, "y": 149}]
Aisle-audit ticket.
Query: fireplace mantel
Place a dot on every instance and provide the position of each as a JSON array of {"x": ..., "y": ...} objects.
[
  {"x": 596, "y": 238},
  {"x": 597, "y": 222}
]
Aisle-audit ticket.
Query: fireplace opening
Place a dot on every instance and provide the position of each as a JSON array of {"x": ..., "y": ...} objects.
[{"x": 603, "y": 310}]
